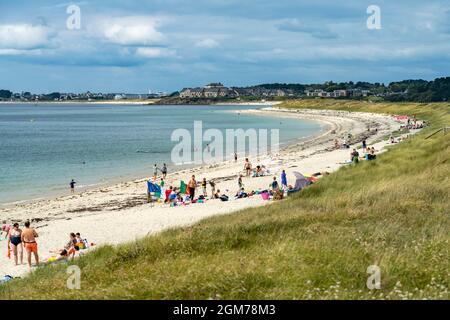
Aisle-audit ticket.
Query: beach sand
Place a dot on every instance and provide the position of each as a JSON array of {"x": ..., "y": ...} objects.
[{"x": 119, "y": 213}]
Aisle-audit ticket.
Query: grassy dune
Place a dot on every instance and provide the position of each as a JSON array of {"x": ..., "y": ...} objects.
[{"x": 392, "y": 212}]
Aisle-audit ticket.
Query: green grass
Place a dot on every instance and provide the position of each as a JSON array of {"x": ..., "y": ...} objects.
[{"x": 392, "y": 212}]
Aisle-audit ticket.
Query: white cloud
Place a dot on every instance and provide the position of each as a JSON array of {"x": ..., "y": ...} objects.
[
  {"x": 155, "y": 52},
  {"x": 207, "y": 43},
  {"x": 131, "y": 31},
  {"x": 24, "y": 36}
]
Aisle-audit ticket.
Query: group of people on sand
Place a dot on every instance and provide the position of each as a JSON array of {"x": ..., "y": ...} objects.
[
  {"x": 74, "y": 245},
  {"x": 369, "y": 153},
  {"x": 25, "y": 239},
  {"x": 163, "y": 170},
  {"x": 19, "y": 239}
]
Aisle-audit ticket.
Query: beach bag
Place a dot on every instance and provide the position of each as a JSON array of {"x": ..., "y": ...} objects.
[
  {"x": 5, "y": 279},
  {"x": 224, "y": 197},
  {"x": 265, "y": 195}
]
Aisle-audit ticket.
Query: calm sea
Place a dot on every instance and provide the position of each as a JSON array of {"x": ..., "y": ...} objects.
[{"x": 43, "y": 147}]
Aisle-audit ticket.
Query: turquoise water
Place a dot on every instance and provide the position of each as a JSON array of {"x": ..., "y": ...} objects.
[{"x": 43, "y": 147}]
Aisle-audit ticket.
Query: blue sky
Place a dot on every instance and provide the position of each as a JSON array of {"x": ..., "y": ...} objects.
[{"x": 165, "y": 45}]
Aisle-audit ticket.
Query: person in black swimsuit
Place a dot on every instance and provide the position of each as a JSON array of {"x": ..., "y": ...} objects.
[{"x": 15, "y": 243}]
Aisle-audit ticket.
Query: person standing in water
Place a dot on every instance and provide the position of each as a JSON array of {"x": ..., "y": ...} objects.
[
  {"x": 235, "y": 157},
  {"x": 15, "y": 242},
  {"x": 72, "y": 186},
  {"x": 28, "y": 237}
]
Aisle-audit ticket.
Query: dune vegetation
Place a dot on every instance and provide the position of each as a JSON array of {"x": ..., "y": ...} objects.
[{"x": 318, "y": 244}]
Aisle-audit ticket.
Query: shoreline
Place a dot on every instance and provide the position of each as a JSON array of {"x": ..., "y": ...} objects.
[
  {"x": 119, "y": 213},
  {"x": 139, "y": 102},
  {"x": 138, "y": 175}
]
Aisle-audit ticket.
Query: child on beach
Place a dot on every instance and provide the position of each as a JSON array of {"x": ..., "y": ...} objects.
[
  {"x": 204, "y": 184},
  {"x": 274, "y": 184},
  {"x": 240, "y": 184}
]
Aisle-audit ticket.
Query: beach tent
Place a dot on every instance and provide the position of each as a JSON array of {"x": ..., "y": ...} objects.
[{"x": 300, "y": 182}]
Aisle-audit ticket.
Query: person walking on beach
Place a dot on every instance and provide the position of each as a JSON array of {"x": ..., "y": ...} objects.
[
  {"x": 29, "y": 236},
  {"x": 247, "y": 167},
  {"x": 354, "y": 156},
  {"x": 240, "y": 184},
  {"x": 192, "y": 186},
  {"x": 164, "y": 170},
  {"x": 283, "y": 179},
  {"x": 213, "y": 187},
  {"x": 364, "y": 145},
  {"x": 72, "y": 186},
  {"x": 155, "y": 172},
  {"x": 235, "y": 157},
  {"x": 15, "y": 242}
]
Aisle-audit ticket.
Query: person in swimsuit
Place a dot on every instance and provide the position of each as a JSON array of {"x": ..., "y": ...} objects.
[
  {"x": 192, "y": 187},
  {"x": 15, "y": 242},
  {"x": 29, "y": 236},
  {"x": 247, "y": 167}
]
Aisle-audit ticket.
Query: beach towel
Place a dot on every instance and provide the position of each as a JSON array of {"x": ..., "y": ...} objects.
[
  {"x": 168, "y": 194},
  {"x": 184, "y": 188},
  {"x": 152, "y": 187}
]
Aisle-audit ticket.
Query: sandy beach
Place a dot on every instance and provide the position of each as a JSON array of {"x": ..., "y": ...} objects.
[{"x": 119, "y": 213}]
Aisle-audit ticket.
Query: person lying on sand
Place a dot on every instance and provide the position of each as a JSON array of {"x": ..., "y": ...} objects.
[{"x": 241, "y": 194}]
